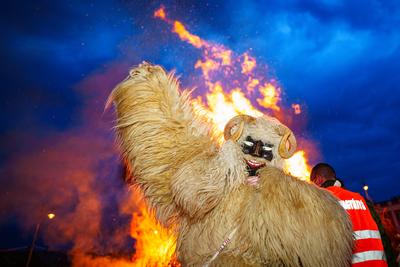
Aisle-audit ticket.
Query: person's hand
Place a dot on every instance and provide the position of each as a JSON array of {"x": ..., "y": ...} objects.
[{"x": 253, "y": 180}]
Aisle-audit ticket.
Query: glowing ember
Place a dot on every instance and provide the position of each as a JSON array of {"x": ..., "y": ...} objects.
[
  {"x": 160, "y": 13},
  {"x": 296, "y": 108},
  {"x": 248, "y": 64}
]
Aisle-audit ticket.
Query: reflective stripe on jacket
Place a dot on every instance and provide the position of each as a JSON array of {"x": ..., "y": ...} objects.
[{"x": 368, "y": 250}]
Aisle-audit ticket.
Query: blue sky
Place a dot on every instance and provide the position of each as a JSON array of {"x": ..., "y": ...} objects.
[{"x": 340, "y": 59}]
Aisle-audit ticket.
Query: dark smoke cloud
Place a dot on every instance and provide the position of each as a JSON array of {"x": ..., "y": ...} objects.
[{"x": 75, "y": 174}]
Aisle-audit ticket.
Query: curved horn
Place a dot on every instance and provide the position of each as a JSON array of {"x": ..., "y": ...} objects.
[
  {"x": 288, "y": 144},
  {"x": 239, "y": 120}
]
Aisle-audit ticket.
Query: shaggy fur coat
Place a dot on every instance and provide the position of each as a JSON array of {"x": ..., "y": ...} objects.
[{"x": 199, "y": 187}]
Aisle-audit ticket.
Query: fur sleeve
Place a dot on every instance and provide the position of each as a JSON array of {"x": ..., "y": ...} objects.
[
  {"x": 202, "y": 182},
  {"x": 158, "y": 133}
]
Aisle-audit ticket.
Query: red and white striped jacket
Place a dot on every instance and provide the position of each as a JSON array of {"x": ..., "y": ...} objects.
[{"x": 368, "y": 250}]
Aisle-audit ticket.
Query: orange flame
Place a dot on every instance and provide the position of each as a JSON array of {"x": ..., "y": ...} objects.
[
  {"x": 252, "y": 84},
  {"x": 248, "y": 64},
  {"x": 297, "y": 166},
  {"x": 187, "y": 36},
  {"x": 180, "y": 29},
  {"x": 221, "y": 107},
  {"x": 155, "y": 245},
  {"x": 271, "y": 96}
]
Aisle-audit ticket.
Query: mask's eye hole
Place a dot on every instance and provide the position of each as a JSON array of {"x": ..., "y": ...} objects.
[{"x": 248, "y": 143}]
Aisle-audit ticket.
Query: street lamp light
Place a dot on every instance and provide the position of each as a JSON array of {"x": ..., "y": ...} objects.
[
  {"x": 50, "y": 216},
  {"x": 365, "y": 187}
]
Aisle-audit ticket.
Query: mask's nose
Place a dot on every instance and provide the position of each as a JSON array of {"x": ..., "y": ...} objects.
[{"x": 257, "y": 149}]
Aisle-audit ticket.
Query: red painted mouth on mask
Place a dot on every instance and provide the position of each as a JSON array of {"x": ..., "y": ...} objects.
[{"x": 254, "y": 164}]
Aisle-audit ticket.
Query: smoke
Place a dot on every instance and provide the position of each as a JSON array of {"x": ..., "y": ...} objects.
[{"x": 76, "y": 174}]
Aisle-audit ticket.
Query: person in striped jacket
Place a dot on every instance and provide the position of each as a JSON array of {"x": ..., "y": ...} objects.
[{"x": 368, "y": 249}]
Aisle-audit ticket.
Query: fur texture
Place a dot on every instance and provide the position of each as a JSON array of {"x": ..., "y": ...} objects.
[{"x": 201, "y": 189}]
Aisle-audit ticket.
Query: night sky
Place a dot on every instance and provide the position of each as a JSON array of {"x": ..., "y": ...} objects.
[{"x": 60, "y": 59}]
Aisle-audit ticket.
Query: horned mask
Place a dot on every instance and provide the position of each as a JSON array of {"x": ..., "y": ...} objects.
[{"x": 287, "y": 144}]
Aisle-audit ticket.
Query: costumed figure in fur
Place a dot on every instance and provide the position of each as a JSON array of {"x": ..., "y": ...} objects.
[{"x": 203, "y": 189}]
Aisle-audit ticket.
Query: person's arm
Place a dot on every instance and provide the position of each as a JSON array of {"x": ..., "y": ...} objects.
[{"x": 387, "y": 245}]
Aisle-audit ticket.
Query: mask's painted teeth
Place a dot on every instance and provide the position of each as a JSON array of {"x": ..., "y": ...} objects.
[{"x": 254, "y": 164}]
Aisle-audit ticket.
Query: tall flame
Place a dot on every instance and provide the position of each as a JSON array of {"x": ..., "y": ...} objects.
[
  {"x": 229, "y": 78},
  {"x": 233, "y": 83}
]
